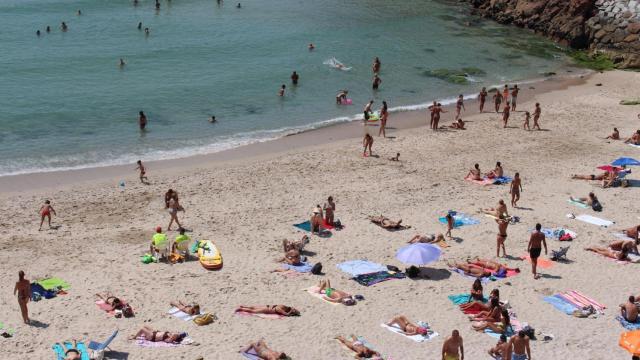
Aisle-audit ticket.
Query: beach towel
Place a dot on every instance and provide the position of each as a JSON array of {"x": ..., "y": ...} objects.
[
  {"x": 38, "y": 292},
  {"x": 417, "y": 338},
  {"x": 377, "y": 277},
  {"x": 358, "y": 267},
  {"x": 578, "y": 204},
  {"x": 561, "y": 304},
  {"x": 483, "y": 280},
  {"x": 622, "y": 236},
  {"x": 251, "y": 354},
  {"x": 8, "y": 331},
  {"x": 594, "y": 220},
  {"x": 304, "y": 267},
  {"x": 53, "y": 283},
  {"x": 634, "y": 145},
  {"x": 460, "y": 219},
  {"x": 314, "y": 291},
  {"x": 502, "y": 180},
  {"x": 174, "y": 311},
  {"x": 60, "y": 350},
  {"x": 556, "y": 233},
  {"x": 263, "y": 316},
  {"x": 460, "y": 299},
  {"x": 572, "y": 300},
  {"x": 142, "y": 342},
  {"x": 483, "y": 182},
  {"x": 628, "y": 325},
  {"x": 542, "y": 262}
]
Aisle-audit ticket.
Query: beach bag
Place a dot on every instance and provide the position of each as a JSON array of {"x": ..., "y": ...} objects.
[
  {"x": 317, "y": 269},
  {"x": 337, "y": 224},
  {"x": 204, "y": 319},
  {"x": 146, "y": 259},
  {"x": 412, "y": 272},
  {"x": 596, "y": 206}
]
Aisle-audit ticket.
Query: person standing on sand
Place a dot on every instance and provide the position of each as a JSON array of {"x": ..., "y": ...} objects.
[
  {"x": 45, "y": 211},
  {"x": 142, "y": 120},
  {"x": 376, "y": 82},
  {"x": 514, "y": 97},
  {"x": 536, "y": 116},
  {"x": 436, "y": 115},
  {"x": 143, "y": 172},
  {"x": 23, "y": 290},
  {"x": 505, "y": 114},
  {"x": 459, "y": 106},
  {"x": 505, "y": 93},
  {"x": 376, "y": 65},
  {"x": 525, "y": 125},
  {"x": 450, "y": 225},
  {"x": 367, "y": 142},
  {"x": 384, "y": 115},
  {"x": 482, "y": 97},
  {"x": 432, "y": 110},
  {"x": 518, "y": 347},
  {"x": 503, "y": 223},
  {"x": 453, "y": 348},
  {"x": 535, "y": 248},
  {"x": 497, "y": 100},
  {"x": 329, "y": 210},
  {"x": 516, "y": 187},
  {"x": 294, "y": 78}
]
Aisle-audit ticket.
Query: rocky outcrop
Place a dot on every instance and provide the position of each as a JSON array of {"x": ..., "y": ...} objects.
[{"x": 610, "y": 26}]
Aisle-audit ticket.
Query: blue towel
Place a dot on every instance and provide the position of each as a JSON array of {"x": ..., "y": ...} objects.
[
  {"x": 628, "y": 325},
  {"x": 561, "y": 304},
  {"x": 304, "y": 267},
  {"x": 251, "y": 355},
  {"x": 359, "y": 267},
  {"x": 502, "y": 180},
  {"x": 38, "y": 292},
  {"x": 306, "y": 226},
  {"x": 460, "y": 219},
  {"x": 60, "y": 350},
  {"x": 463, "y": 299},
  {"x": 496, "y": 335}
]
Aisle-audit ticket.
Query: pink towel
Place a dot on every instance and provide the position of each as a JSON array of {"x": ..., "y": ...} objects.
[
  {"x": 542, "y": 263},
  {"x": 480, "y": 182}
]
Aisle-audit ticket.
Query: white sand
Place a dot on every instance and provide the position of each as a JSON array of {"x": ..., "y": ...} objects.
[{"x": 247, "y": 208}]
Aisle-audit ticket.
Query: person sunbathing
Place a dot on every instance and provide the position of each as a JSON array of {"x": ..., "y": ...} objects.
[
  {"x": 333, "y": 295},
  {"x": 263, "y": 352},
  {"x": 492, "y": 314},
  {"x": 589, "y": 200},
  {"x": 634, "y": 139},
  {"x": 292, "y": 257},
  {"x": 632, "y": 232},
  {"x": 499, "y": 211},
  {"x": 71, "y": 353},
  {"x": 470, "y": 270},
  {"x": 429, "y": 239},
  {"x": 295, "y": 245},
  {"x": 495, "y": 293},
  {"x": 193, "y": 309},
  {"x": 384, "y": 222},
  {"x": 475, "y": 173},
  {"x": 362, "y": 352},
  {"x": 114, "y": 302},
  {"x": 159, "y": 336},
  {"x": 610, "y": 179},
  {"x": 498, "y": 327},
  {"x": 458, "y": 125},
  {"x": 497, "y": 172},
  {"x": 615, "y": 135},
  {"x": 589, "y": 177},
  {"x": 283, "y": 310},
  {"x": 629, "y": 310},
  {"x": 630, "y": 245},
  {"x": 494, "y": 266},
  {"x": 618, "y": 255},
  {"x": 409, "y": 328}
]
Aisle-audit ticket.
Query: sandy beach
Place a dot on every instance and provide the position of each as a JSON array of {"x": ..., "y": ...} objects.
[{"x": 247, "y": 206}]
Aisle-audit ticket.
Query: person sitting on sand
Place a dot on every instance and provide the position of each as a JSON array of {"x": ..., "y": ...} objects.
[
  {"x": 283, "y": 310},
  {"x": 409, "y": 328},
  {"x": 495, "y": 293},
  {"x": 45, "y": 212},
  {"x": 492, "y": 314},
  {"x": 589, "y": 200},
  {"x": 295, "y": 245},
  {"x": 361, "y": 351},
  {"x": 384, "y": 222},
  {"x": 475, "y": 173},
  {"x": 634, "y": 139},
  {"x": 367, "y": 143},
  {"x": 499, "y": 211},
  {"x": 498, "y": 327},
  {"x": 458, "y": 125},
  {"x": 159, "y": 244},
  {"x": 499, "y": 352},
  {"x": 629, "y": 310},
  {"x": 316, "y": 220},
  {"x": 71, "y": 353},
  {"x": 618, "y": 255},
  {"x": 109, "y": 299},
  {"x": 470, "y": 270},
  {"x": 615, "y": 135},
  {"x": 333, "y": 295},
  {"x": 429, "y": 239},
  {"x": 264, "y": 353},
  {"x": 158, "y": 336},
  {"x": 191, "y": 309},
  {"x": 476, "y": 291},
  {"x": 497, "y": 172},
  {"x": 630, "y": 245},
  {"x": 395, "y": 158}
]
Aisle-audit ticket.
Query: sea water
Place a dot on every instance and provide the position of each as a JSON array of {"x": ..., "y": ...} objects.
[{"x": 65, "y": 103}]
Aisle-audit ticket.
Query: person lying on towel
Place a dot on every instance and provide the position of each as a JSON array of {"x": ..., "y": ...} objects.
[
  {"x": 384, "y": 222},
  {"x": 630, "y": 245},
  {"x": 429, "y": 239},
  {"x": 409, "y": 328},
  {"x": 470, "y": 270},
  {"x": 496, "y": 268},
  {"x": 264, "y": 353},
  {"x": 495, "y": 293},
  {"x": 333, "y": 295},
  {"x": 191, "y": 309},
  {"x": 618, "y": 255},
  {"x": 72, "y": 353},
  {"x": 362, "y": 352},
  {"x": 159, "y": 336},
  {"x": 292, "y": 257},
  {"x": 283, "y": 310}
]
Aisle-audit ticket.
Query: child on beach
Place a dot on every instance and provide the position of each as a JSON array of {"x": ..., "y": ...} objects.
[
  {"x": 527, "y": 116},
  {"x": 143, "y": 177},
  {"x": 449, "y": 218},
  {"x": 367, "y": 142},
  {"x": 45, "y": 211}
]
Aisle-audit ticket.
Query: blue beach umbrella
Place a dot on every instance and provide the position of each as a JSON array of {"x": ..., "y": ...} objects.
[
  {"x": 625, "y": 161},
  {"x": 419, "y": 254}
]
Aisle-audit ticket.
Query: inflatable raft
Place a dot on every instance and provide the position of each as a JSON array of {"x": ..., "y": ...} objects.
[{"x": 209, "y": 255}]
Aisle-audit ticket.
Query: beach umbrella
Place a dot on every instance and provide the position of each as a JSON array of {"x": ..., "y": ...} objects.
[
  {"x": 625, "y": 161},
  {"x": 419, "y": 254},
  {"x": 630, "y": 341}
]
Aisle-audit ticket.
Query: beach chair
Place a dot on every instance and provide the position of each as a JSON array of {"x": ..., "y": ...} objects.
[
  {"x": 559, "y": 254},
  {"x": 99, "y": 348}
]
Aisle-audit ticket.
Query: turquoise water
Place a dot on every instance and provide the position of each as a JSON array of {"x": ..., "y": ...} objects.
[{"x": 66, "y": 103}]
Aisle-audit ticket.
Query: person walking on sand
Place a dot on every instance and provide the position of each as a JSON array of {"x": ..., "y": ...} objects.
[
  {"x": 453, "y": 348},
  {"x": 376, "y": 65},
  {"x": 535, "y": 248},
  {"x": 536, "y": 116},
  {"x": 173, "y": 208},
  {"x": 294, "y": 78},
  {"x": 142, "y": 120},
  {"x": 518, "y": 347},
  {"x": 384, "y": 115},
  {"x": 505, "y": 93},
  {"x": 367, "y": 142},
  {"x": 516, "y": 188},
  {"x": 525, "y": 125},
  {"x": 45, "y": 211},
  {"x": 497, "y": 100},
  {"x": 23, "y": 290},
  {"x": 432, "y": 110},
  {"x": 514, "y": 97},
  {"x": 459, "y": 106},
  {"x": 143, "y": 172},
  {"x": 482, "y": 97},
  {"x": 505, "y": 114},
  {"x": 503, "y": 223}
]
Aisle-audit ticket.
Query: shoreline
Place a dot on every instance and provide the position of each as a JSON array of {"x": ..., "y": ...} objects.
[{"x": 350, "y": 129}]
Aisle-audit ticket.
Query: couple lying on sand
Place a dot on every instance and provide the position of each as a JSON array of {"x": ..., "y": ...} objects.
[
  {"x": 482, "y": 268},
  {"x": 620, "y": 249}
]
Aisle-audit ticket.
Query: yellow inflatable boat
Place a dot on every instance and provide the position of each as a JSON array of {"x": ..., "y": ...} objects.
[{"x": 209, "y": 255}]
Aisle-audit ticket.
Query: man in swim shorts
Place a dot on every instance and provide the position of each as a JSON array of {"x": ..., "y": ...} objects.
[
  {"x": 535, "y": 248},
  {"x": 514, "y": 97},
  {"x": 452, "y": 348},
  {"x": 519, "y": 347}
]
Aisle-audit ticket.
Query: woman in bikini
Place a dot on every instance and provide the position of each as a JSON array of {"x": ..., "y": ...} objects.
[
  {"x": 193, "y": 309},
  {"x": 114, "y": 302},
  {"x": 173, "y": 208},
  {"x": 264, "y": 353},
  {"x": 492, "y": 314},
  {"x": 471, "y": 270},
  {"x": 362, "y": 352},
  {"x": 618, "y": 255},
  {"x": 429, "y": 239},
  {"x": 476, "y": 291},
  {"x": 589, "y": 177},
  {"x": 333, "y": 295},
  {"x": 159, "y": 336},
  {"x": 491, "y": 265},
  {"x": 495, "y": 293},
  {"x": 384, "y": 115},
  {"x": 585, "y": 200},
  {"x": 499, "y": 327},
  {"x": 283, "y": 310},
  {"x": 409, "y": 328}
]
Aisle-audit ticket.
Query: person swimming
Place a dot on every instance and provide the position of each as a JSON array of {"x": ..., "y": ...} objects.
[
  {"x": 121, "y": 63},
  {"x": 64, "y": 26},
  {"x": 213, "y": 119}
]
